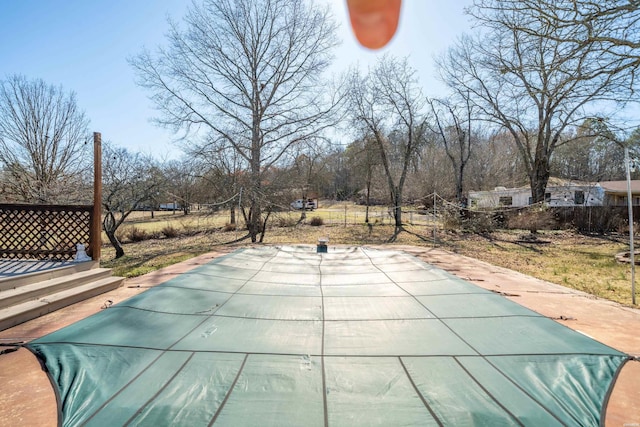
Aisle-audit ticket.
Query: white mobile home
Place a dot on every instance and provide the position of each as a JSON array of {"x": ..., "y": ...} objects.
[{"x": 559, "y": 193}]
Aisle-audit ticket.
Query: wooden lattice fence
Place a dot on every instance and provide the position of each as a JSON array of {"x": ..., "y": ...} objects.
[{"x": 43, "y": 231}]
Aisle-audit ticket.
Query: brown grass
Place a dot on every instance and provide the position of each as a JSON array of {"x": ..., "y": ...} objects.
[
  {"x": 573, "y": 260},
  {"x": 576, "y": 261}
]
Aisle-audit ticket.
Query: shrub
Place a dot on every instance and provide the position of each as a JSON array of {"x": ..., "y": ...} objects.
[
  {"x": 122, "y": 233},
  {"x": 480, "y": 222},
  {"x": 455, "y": 219},
  {"x": 532, "y": 219},
  {"x": 284, "y": 221},
  {"x": 316, "y": 221},
  {"x": 135, "y": 234},
  {"x": 155, "y": 235},
  {"x": 451, "y": 219},
  {"x": 190, "y": 228},
  {"x": 169, "y": 231},
  {"x": 593, "y": 219}
]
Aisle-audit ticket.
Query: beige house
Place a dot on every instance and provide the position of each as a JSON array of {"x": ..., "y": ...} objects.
[{"x": 615, "y": 193}]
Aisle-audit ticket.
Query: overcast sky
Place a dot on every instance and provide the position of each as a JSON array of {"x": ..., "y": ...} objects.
[{"x": 83, "y": 45}]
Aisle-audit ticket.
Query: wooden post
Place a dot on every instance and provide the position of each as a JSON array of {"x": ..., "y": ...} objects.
[{"x": 95, "y": 238}]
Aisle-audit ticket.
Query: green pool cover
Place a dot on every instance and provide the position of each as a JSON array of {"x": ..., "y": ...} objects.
[{"x": 284, "y": 336}]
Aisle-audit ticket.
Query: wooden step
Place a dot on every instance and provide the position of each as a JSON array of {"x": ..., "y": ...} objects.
[
  {"x": 27, "y": 277},
  {"x": 19, "y": 313},
  {"x": 38, "y": 290}
]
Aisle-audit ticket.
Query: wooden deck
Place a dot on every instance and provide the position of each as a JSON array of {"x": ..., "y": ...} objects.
[{"x": 13, "y": 268}]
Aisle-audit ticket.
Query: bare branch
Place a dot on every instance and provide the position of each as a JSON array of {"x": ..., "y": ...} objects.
[
  {"x": 249, "y": 72},
  {"x": 42, "y": 135}
]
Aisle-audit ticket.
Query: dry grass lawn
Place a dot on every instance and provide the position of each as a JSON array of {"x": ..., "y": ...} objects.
[
  {"x": 580, "y": 262},
  {"x": 573, "y": 260}
]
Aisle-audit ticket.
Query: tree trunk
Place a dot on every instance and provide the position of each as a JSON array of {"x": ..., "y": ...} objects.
[
  {"x": 368, "y": 199},
  {"x": 255, "y": 211},
  {"x": 539, "y": 179},
  {"x": 303, "y": 214},
  {"x": 264, "y": 225},
  {"x": 255, "y": 224},
  {"x": 115, "y": 243},
  {"x": 397, "y": 209},
  {"x": 110, "y": 227},
  {"x": 232, "y": 215},
  {"x": 459, "y": 181}
]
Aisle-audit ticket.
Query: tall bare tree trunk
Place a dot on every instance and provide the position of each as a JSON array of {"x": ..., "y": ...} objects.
[{"x": 255, "y": 211}]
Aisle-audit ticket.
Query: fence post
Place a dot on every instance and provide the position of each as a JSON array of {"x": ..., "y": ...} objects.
[
  {"x": 95, "y": 238},
  {"x": 435, "y": 225},
  {"x": 345, "y": 215}
]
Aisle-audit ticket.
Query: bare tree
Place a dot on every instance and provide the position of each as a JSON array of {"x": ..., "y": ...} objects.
[
  {"x": 181, "y": 179},
  {"x": 433, "y": 172},
  {"x": 307, "y": 165},
  {"x": 130, "y": 180},
  {"x": 534, "y": 84},
  {"x": 339, "y": 181},
  {"x": 453, "y": 125},
  {"x": 495, "y": 163},
  {"x": 221, "y": 167},
  {"x": 588, "y": 156},
  {"x": 363, "y": 157},
  {"x": 331, "y": 180},
  {"x": 250, "y": 72},
  {"x": 387, "y": 104},
  {"x": 42, "y": 135},
  {"x": 611, "y": 26}
]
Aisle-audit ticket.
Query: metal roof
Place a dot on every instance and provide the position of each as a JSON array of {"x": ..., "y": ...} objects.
[{"x": 620, "y": 186}]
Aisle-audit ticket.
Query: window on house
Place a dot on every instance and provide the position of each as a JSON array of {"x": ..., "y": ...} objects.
[
  {"x": 506, "y": 200},
  {"x": 578, "y": 197},
  {"x": 547, "y": 197}
]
